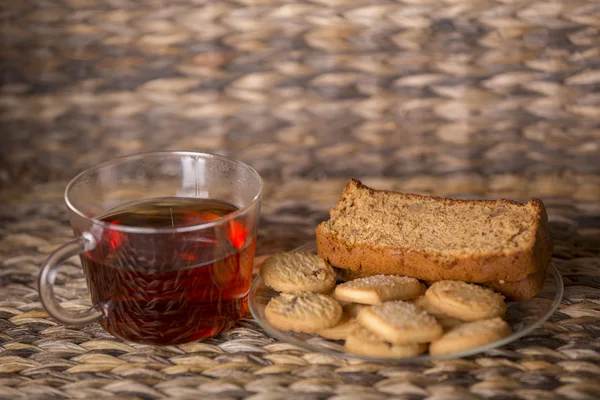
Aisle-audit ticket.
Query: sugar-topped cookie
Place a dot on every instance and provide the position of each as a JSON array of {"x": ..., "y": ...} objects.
[
  {"x": 446, "y": 321},
  {"x": 470, "y": 335},
  {"x": 379, "y": 288},
  {"x": 465, "y": 301},
  {"x": 400, "y": 322},
  {"x": 362, "y": 342}
]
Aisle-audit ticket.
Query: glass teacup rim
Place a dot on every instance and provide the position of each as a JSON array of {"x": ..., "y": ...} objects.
[{"x": 188, "y": 228}]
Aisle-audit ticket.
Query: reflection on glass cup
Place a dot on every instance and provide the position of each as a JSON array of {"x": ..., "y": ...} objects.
[{"x": 166, "y": 241}]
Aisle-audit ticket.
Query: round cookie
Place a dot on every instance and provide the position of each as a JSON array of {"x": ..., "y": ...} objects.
[
  {"x": 465, "y": 301},
  {"x": 400, "y": 322},
  {"x": 379, "y": 288},
  {"x": 303, "y": 312},
  {"x": 341, "y": 330},
  {"x": 298, "y": 272},
  {"x": 362, "y": 342},
  {"x": 470, "y": 335},
  {"x": 444, "y": 320}
]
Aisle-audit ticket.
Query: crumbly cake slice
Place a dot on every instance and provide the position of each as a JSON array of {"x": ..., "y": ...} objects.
[
  {"x": 524, "y": 289},
  {"x": 433, "y": 238}
]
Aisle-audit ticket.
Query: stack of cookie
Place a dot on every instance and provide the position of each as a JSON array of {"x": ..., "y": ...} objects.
[{"x": 383, "y": 315}]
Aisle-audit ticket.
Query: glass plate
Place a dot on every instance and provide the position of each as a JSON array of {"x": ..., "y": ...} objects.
[{"x": 523, "y": 317}]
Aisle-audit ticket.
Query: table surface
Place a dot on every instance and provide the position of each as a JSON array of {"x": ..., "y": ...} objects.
[{"x": 478, "y": 98}]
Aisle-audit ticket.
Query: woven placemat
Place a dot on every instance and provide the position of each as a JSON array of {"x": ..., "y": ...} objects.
[
  {"x": 42, "y": 359},
  {"x": 299, "y": 88}
]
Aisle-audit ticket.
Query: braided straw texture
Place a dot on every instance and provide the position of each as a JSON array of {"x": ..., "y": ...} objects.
[
  {"x": 486, "y": 98},
  {"x": 412, "y": 86}
]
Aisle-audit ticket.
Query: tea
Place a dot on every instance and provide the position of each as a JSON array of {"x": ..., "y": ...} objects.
[{"x": 171, "y": 286}]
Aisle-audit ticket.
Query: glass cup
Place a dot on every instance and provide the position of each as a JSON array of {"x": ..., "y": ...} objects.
[{"x": 166, "y": 241}]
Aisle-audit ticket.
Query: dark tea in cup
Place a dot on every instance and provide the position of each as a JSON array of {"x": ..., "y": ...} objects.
[
  {"x": 149, "y": 285},
  {"x": 167, "y": 245}
]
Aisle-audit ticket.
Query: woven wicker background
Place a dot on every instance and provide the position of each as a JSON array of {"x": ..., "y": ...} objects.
[{"x": 482, "y": 98}]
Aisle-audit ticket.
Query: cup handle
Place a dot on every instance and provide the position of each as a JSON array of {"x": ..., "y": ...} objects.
[{"x": 48, "y": 275}]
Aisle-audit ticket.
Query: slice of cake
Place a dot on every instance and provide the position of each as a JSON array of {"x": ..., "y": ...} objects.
[{"x": 432, "y": 238}]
